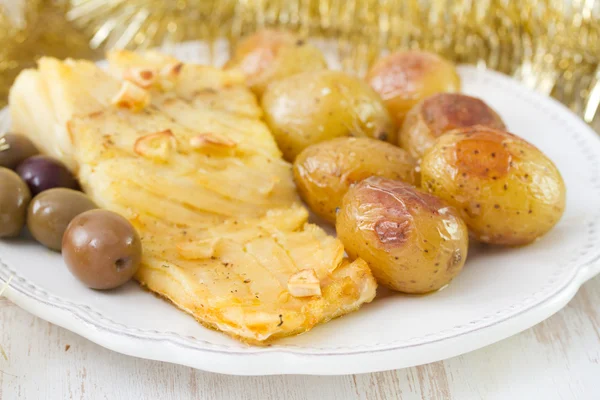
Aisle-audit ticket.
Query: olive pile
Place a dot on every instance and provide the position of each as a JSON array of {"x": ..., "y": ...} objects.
[{"x": 101, "y": 248}]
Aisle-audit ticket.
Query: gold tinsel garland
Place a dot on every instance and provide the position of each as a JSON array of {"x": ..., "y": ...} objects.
[
  {"x": 33, "y": 28},
  {"x": 551, "y": 45}
]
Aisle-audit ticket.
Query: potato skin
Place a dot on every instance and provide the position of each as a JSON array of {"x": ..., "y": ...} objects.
[
  {"x": 440, "y": 113},
  {"x": 269, "y": 55},
  {"x": 312, "y": 107},
  {"x": 413, "y": 241},
  {"x": 404, "y": 78},
  {"x": 325, "y": 171},
  {"x": 507, "y": 191}
]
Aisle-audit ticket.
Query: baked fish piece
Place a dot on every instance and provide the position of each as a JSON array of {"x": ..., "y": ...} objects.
[{"x": 180, "y": 150}]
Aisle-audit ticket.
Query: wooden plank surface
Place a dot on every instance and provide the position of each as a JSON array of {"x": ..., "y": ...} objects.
[{"x": 557, "y": 359}]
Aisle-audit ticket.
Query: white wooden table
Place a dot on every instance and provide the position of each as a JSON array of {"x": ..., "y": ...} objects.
[{"x": 558, "y": 359}]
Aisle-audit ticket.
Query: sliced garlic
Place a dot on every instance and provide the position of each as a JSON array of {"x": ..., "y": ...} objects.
[
  {"x": 143, "y": 77},
  {"x": 304, "y": 283},
  {"x": 171, "y": 70},
  {"x": 168, "y": 75},
  {"x": 131, "y": 97},
  {"x": 156, "y": 146},
  {"x": 211, "y": 140}
]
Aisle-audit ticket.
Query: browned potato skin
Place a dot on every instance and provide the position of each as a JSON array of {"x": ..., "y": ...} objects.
[
  {"x": 269, "y": 55},
  {"x": 441, "y": 113},
  {"x": 312, "y": 107},
  {"x": 404, "y": 78},
  {"x": 507, "y": 191},
  {"x": 413, "y": 241},
  {"x": 325, "y": 171}
]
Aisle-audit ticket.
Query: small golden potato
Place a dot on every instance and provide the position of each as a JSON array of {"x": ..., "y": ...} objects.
[
  {"x": 404, "y": 78},
  {"x": 269, "y": 55},
  {"x": 441, "y": 113},
  {"x": 413, "y": 241},
  {"x": 325, "y": 171},
  {"x": 507, "y": 191},
  {"x": 312, "y": 107}
]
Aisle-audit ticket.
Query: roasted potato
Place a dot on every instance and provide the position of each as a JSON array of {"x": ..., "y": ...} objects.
[
  {"x": 269, "y": 55},
  {"x": 441, "y": 113},
  {"x": 507, "y": 191},
  {"x": 413, "y": 241},
  {"x": 405, "y": 78},
  {"x": 312, "y": 107},
  {"x": 324, "y": 171}
]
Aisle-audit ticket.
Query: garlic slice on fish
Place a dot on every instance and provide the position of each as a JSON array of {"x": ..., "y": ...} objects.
[
  {"x": 156, "y": 146},
  {"x": 131, "y": 97}
]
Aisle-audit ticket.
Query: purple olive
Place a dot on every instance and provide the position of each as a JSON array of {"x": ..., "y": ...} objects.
[{"x": 43, "y": 173}]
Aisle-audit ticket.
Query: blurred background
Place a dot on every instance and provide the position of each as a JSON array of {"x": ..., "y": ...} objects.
[{"x": 550, "y": 45}]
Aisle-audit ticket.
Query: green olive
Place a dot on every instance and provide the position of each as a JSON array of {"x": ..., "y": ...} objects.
[
  {"x": 14, "y": 198},
  {"x": 102, "y": 249},
  {"x": 14, "y": 149},
  {"x": 51, "y": 211}
]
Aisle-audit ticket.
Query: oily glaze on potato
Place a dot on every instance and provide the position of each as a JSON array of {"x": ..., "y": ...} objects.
[
  {"x": 413, "y": 241},
  {"x": 404, "y": 78},
  {"x": 507, "y": 191},
  {"x": 441, "y": 113},
  {"x": 324, "y": 171},
  {"x": 312, "y": 107},
  {"x": 270, "y": 55}
]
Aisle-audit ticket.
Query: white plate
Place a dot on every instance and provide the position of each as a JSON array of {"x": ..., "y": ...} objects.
[{"x": 499, "y": 293}]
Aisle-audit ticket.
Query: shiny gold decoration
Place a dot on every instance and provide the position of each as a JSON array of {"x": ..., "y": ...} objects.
[
  {"x": 31, "y": 28},
  {"x": 551, "y": 45}
]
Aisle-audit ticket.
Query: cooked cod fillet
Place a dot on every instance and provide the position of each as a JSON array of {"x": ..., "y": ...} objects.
[{"x": 180, "y": 150}]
